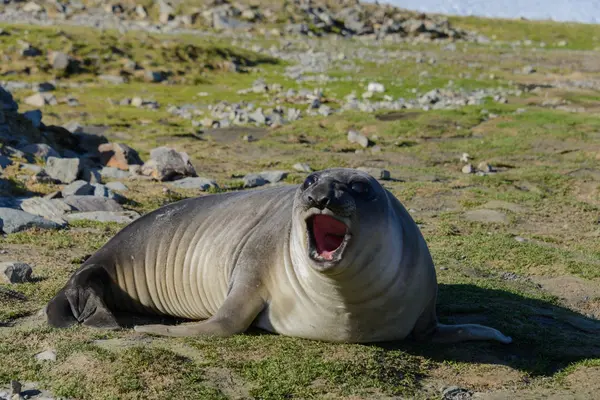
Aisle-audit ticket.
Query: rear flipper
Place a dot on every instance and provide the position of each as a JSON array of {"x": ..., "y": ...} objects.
[
  {"x": 81, "y": 301},
  {"x": 428, "y": 328},
  {"x": 466, "y": 332}
]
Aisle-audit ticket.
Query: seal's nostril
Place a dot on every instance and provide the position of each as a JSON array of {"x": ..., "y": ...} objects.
[{"x": 324, "y": 201}]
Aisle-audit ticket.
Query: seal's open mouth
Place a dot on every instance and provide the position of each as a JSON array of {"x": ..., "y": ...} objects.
[{"x": 328, "y": 238}]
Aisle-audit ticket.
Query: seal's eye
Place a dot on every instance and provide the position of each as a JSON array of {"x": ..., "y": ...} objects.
[
  {"x": 359, "y": 187},
  {"x": 309, "y": 181}
]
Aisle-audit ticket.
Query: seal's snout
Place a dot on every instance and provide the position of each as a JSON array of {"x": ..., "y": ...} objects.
[{"x": 319, "y": 201}]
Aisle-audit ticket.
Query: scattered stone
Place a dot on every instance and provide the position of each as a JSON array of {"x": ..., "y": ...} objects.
[
  {"x": 32, "y": 7},
  {"x": 273, "y": 176},
  {"x": 5, "y": 161},
  {"x": 35, "y": 116},
  {"x": 117, "y": 186},
  {"x": 167, "y": 164},
  {"x": 91, "y": 203},
  {"x": 40, "y": 100},
  {"x": 112, "y": 79},
  {"x": 15, "y": 387},
  {"x": 303, "y": 167},
  {"x": 374, "y": 87},
  {"x": 12, "y": 221},
  {"x": 45, "y": 208},
  {"x": 48, "y": 355},
  {"x": 59, "y": 61},
  {"x": 78, "y": 188},
  {"x": 528, "y": 69},
  {"x": 155, "y": 76},
  {"x": 122, "y": 217},
  {"x": 114, "y": 173},
  {"x": 468, "y": 169},
  {"x": 198, "y": 183},
  {"x": 119, "y": 156},
  {"x": 456, "y": 393},
  {"x": 485, "y": 167},
  {"x": 465, "y": 157},
  {"x": 40, "y": 150},
  {"x": 45, "y": 87},
  {"x": 486, "y": 216},
  {"x": 254, "y": 180},
  {"x": 137, "y": 101},
  {"x": 64, "y": 170},
  {"x": 355, "y": 137},
  {"x": 15, "y": 272},
  {"x": 7, "y": 103},
  {"x": 377, "y": 173}
]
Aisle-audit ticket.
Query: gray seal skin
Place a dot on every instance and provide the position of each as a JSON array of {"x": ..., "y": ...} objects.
[{"x": 336, "y": 259}]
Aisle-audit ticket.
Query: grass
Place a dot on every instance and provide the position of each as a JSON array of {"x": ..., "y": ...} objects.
[{"x": 486, "y": 275}]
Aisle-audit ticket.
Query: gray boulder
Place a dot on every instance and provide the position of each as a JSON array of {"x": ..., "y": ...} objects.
[
  {"x": 78, "y": 188},
  {"x": 254, "y": 180},
  {"x": 45, "y": 208},
  {"x": 12, "y": 221},
  {"x": 123, "y": 217},
  {"x": 198, "y": 183},
  {"x": 7, "y": 103},
  {"x": 167, "y": 164},
  {"x": 40, "y": 150},
  {"x": 92, "y": 203},
  {"x": 15, "y": 272},
  {"x": 64, "y": 170}
]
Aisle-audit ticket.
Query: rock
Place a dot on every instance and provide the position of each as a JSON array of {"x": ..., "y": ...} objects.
[
  {"x": 112, "y": 79},
  {"x": 78, "y": 188},
  {"x": 254, "y": 180},
  {"x": 137, "y": 101},
  {"x": 273, "y": 176},
  {"x": 12, "y": 221},
  {"x": 485, "y": 167},
  {"x": 355, "y": 137},
  {"x": 48, "y": 355},
  {"x": 15, "y": 387},
  {"x": 114, "y": 173},
  {"x": 119, "y": 156},
  {"x": 46, "y": 208},
  {"x": 32, "y": 7},
  {"x": 15, "y": 272},
  {"x": 64, "y": 170},
  {"x": 302, "y": 167},
  {"x": 374, "y": 87},
  {"x": 202, "y": 184},
  {"x": 167, "y": 164},
  {"x": 123, "y": 217},
  {"x": 140, "y": 10},
  {"x": 30, "y": 51},
  {"x": 39, "y": 100},
  {"x": 30, "y": 167},
  {"x": 455, "y": 393},
  {"x": 528, "y": 69},
  {"x": 117, "y": 186},
  {"x": 91, "y": 203},
  {"x": 468, "y": 169},
  {"x": 486, "y": 216},
  {"x": 103, "y": 191},
  {"x": 59, "y": 61},
  {"x": 90, "y": 174},
  {"x": 377, "y": 173},
  {"x": 45, "y": 87},
  {"x": 40, "y": 150},
  {"x": 7, "y": 103},
  {"x": 155, "y": 76},
  {"x": 35, "y": 116},
  {"x": 465, "y": 157},
  {"x": 5, "y": 161}
]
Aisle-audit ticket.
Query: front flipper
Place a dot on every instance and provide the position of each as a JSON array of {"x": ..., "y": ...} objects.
[
  {"x": 81, "y": 301},
  {"x": 237, "y": 313}
]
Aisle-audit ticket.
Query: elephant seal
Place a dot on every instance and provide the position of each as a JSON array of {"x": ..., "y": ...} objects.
[{"x": 337, "y": 258}]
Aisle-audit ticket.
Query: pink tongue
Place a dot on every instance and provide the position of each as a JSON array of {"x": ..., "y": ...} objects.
[{"x": 329, "y": 234}]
